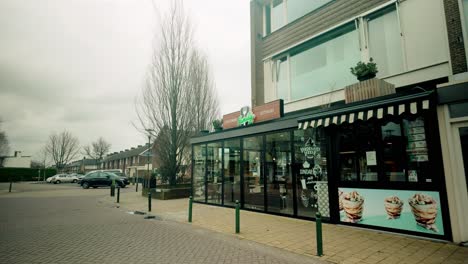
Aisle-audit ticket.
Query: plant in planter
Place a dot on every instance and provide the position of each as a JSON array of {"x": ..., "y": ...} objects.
[
  {"x": 365, "y": 71},
  {"x": 218, "y": 124}
]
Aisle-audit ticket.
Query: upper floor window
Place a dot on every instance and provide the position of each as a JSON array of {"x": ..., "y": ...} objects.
[
  {"x": 281, "y": 12},
  {"x": 318, "y": 66},
  {"x": 321, "y": 65},
  {"x": 384, "y": 41}
]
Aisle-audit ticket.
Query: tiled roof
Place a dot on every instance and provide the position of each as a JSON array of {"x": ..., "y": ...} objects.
[{"x": 127, "y": 153}]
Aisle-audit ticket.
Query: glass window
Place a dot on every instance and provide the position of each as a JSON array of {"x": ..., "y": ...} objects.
[
  {"x": 324, "y": 66},
  {"x": 278, "y": 173},
  {"x": 416, "y": 151},
  {"x": 367, "y": 156},
  {"x": 298, "y": 8},
  {"x": 347, "y": 154},
  {"x": 464, "y": 147},
  {"x": 465, "y": 14},
  {"x": 458, "y": 110},
  {"x": 393, "y": 152},
  {"x": 282, "y": 86},
  {"x": 253, "y": 175},
  {"x": 277, "y": 15},
  {"x": 199, "y": 161},
  {"x": 232, "y": 172},
  {"x": 385, "y": 43},
  {"x": 310, "y": 167},
  {"x": 213, "y": 174}
]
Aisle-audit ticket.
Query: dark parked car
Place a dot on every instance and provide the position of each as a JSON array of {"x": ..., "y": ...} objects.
[{"x": 102, "y": 179}]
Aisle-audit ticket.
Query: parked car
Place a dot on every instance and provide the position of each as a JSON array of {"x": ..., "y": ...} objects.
[
  {"x": 50, "y": 179},
  {"x": 59, "y": 178},
  {"x": 102, "y": 179}
]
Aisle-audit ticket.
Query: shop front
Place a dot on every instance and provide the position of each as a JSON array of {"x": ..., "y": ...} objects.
[{"x": 373, "y": 164}]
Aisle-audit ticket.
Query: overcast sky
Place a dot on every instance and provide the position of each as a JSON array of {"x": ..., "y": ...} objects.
[{"x": 78, "y": 64}]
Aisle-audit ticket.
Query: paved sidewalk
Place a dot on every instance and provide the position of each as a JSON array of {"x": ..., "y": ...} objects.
[{"x": 342, "y": 244}]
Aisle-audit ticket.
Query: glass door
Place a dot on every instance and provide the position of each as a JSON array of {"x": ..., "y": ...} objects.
[
  {"x": 232, "y": 179},
  {"x": 253, "y": 174},
  {"x": 213, "y": 173},
  {"x": 278, "y": 173},
  {"x": 461, "y": 139}
]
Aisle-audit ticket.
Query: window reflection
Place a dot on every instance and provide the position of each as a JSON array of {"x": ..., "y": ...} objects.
[
  {"x": 393, "y": 155},
  {"x": 253, "y": 175},
  {"x": 278, "y": 173},
  {"x": 199, "y": 156},
  {"x": 311, "y": 172},
  {"x": 213, "y": 174},
  {"x": 231, "y": 172}
]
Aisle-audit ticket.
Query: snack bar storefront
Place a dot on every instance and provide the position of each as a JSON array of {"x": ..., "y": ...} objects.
[{"x": 374, "y": 164}]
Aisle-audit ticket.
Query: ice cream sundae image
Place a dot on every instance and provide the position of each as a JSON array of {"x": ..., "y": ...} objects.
[
  {"x": 353, "y": 206},
  {"x": 393, "y": 206},
  {"x": 424, "y": 209}
]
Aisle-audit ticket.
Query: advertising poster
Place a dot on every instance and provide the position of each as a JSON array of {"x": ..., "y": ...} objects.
[{"x": 399, "y": 209}]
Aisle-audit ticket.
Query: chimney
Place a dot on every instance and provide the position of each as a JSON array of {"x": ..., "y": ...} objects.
[{"x": 17, "y": 153}]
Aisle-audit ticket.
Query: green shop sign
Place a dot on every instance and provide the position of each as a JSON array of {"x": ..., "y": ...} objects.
[{"x": 246, "y": 117}]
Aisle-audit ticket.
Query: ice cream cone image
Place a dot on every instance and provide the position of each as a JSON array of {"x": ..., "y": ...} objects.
[
  {"x": 353, "y": 206},
  {"x": 393, "y": 206},
  {"x": 424, "y": 209}
]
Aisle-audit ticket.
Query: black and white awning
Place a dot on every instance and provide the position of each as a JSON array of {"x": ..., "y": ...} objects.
[{"x": 405, "y": 105}]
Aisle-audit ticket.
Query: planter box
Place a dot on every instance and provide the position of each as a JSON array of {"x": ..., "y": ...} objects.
[
  {"x": 167, "y": 194},
  {"x": 368, "y": 89}
]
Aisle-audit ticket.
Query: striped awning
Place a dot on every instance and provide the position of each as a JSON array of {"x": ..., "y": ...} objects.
[{"x": 367, "y": 111}]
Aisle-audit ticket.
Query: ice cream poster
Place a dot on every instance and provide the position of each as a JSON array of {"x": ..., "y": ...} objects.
[{"x": 400, "y": 209}]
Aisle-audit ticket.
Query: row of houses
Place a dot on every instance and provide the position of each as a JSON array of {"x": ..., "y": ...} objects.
[{"x": 134, "y": 162}]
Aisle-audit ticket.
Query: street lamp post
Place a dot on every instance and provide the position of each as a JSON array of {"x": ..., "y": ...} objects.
[
  {"x": 148, "y": 161},
  {"x": 148, "y": 182}
]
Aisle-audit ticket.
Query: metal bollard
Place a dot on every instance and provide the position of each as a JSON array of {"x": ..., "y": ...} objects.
[
  {"x": 11, "y": 182},
  {"x": 318, "y": 225},
  {"x": 149, "y": 200},
  {"x": 237, "y": 217},
  {"x": 112, "y": 190},
  {"x": 118, "y": 194},
  {"x": 190, "y": 209}
]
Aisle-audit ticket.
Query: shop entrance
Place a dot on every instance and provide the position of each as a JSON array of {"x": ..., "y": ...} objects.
[
  {"x": 460, "y": 132},
  {"x": 254, "y": 182}
]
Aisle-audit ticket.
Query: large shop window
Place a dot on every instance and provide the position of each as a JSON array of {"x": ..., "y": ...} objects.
[
  {"x": 253, "y": 173},
  {"x": 213, "y": 175},
  {"x": 278, "y": 173},
  {"x": 310, "y": 165},
  {"x": 394, "y": 150},
  {"x": 232, "y": 178},
  {"x": 318, "y": 66},
  {"x": 199, "y": 167}
]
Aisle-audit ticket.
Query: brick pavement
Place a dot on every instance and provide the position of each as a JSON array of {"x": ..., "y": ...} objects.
[
  {"x": 342, "y": 244},
  {"x": 69, "y": 225}
]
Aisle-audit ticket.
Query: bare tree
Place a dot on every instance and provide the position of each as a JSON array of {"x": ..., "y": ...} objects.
[
  {"x": 42, "y": 158},
  {"x": 178, "y": 85},
  {"x": 4, "y": 145},
  {"x": 97, "y": 149},
  {"x": 204, "y": 100},
  {"x": 62, "y": 148}
]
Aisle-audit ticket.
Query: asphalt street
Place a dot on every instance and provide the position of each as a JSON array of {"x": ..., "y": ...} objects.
[{"x": 65, "y": 224}]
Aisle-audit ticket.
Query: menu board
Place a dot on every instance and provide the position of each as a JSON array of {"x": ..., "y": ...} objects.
[{"x": 417, "y": 146}]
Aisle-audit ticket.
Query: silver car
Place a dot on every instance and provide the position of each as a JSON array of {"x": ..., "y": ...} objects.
[{"x": 59, "y": 178}]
